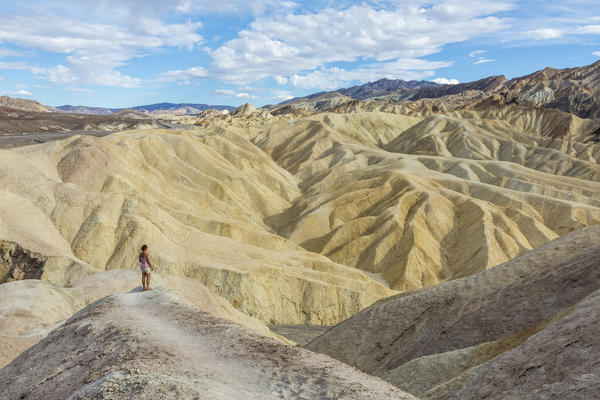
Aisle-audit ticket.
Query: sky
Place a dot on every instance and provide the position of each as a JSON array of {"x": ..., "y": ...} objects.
[{"x": 122, "y": 53}]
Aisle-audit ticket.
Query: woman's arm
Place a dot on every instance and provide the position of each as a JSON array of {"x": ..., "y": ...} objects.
[{"x": 148, "y": 260}]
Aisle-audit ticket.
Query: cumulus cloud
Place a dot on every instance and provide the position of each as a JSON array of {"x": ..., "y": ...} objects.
[
  {"x": 94, "y": 51},
  {"x": 233, "y": 93},
  {"x": 6, "y": 52},
  {"x": 20, "y": 92},
  {"x": 286, "y": 45},
  {"x": 183, "y": 75},
  {"x": 544, "y": 33},
  {"x": 596, "y": 53},
  {"x": 334, "y": 77},
  {"x": 13, "y": 65},
  {"x": 281, "y": 95},
  {"x": 256, "y": 7},
  {"x": 589, "y": 30},
  {"x": 281, "y": 80},
  {"x": 444, "y": 81}
]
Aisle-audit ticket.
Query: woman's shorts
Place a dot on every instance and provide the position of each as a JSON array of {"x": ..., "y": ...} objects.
[{"x": 146, "y": 270}]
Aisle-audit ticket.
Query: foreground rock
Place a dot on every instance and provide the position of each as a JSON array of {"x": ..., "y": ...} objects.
[
  {"x": 150, "y": 345},
  {"x": 30, "y": 309},
  {"x": 525, "y": 329}
]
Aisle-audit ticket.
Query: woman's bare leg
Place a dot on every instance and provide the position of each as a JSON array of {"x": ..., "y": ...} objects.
[
  {"x": 148, "y": 281},
  {"x": 143, "y": 281}
]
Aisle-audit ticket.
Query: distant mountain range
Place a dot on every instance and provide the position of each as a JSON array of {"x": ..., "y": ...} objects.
[
  {"x": 153, "y": 109},
  {"x": 574, "y": 90},
  {"x": 407, "y": 90}
]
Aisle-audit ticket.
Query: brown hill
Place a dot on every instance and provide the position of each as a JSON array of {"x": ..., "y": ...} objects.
[
  {"x": 575, "y": 90},
  {"x": 23, "y": 104}
]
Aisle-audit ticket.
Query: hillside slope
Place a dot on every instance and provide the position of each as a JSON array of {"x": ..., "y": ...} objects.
[
  {"x": 198, "y": 201},
  {"x": 524, "y": 329},
  {"x": 151, "y": 345}
]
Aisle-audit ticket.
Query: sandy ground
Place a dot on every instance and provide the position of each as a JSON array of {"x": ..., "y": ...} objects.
[{"x": 151, "y": 345}]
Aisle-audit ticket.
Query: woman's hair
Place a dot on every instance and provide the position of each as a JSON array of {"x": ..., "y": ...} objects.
[{"x": 144, "y": 247}]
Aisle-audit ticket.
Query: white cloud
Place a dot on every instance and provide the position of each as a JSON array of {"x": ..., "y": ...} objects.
[
  {"x": 281, "y": 95},
  {"x": 589, "y": 29},
  {"x": 93, "y": 50},
  {"x": 183, "y": 75},
  {"x": 596, "y": 53},
  {"x": 13, "y": 65},
  {"x": 20, "y": 92},
  {"x": 334, "y": 77},
  {"x": 244, "y": 95},
  {"x": 233, "y": 93},
  {"x": 281, "y": 80},
  {"x": 484, "y": 60},
  {"x": 6, "y": 52},
  {"x": 225, "y": 92},
  {"x": 544, "y": 33},
  {"x": 285, "y": 46},
  {"x": 78, "y": 89},
  {"x": 444, "y": 81},
  {"x": 477, "y": 53}
]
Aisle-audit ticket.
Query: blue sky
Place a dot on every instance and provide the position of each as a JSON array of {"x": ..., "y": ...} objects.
[{"x": 119, "y": 53}]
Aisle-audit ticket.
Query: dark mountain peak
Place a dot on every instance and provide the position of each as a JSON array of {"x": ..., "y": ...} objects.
[{"x": 382, "y": 87}]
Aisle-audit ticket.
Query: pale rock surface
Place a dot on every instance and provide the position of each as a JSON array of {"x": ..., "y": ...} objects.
[
  {"x": 151, "y": 345},
  {"x": 199, "y": 201},
  {"x": 255, "y": 207},
  {"x": 30, "y": 308},
  {"x": 419, "y": 201},
  {"x": 244, "y": 110}
]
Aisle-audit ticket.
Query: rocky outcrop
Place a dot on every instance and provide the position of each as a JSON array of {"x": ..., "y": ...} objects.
[
  {"x": 574, "y": 90},
  {"x": 151, "y": 345},
  {"x": 244, "y": 110},
  {"x": 522, "y": 329},
  {"x": 17, "y": 263}
]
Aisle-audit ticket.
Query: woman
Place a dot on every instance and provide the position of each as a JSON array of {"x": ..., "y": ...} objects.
[{"x": 146, "y": 267}]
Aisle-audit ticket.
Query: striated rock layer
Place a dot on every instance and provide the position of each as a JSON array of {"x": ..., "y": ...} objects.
[
  {"x": 309, "y": 219},
  {"x": 199, "y": 201},
  {"x": 525, "y": 329}
]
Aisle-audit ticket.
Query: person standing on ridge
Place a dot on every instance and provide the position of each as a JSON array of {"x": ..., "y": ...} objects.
[{"x": 146, "y": 267}]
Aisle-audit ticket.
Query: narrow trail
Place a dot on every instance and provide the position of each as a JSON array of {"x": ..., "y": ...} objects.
[
  {"x": 227, "y": 359},
  {"x": 156, "y": 345}
]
